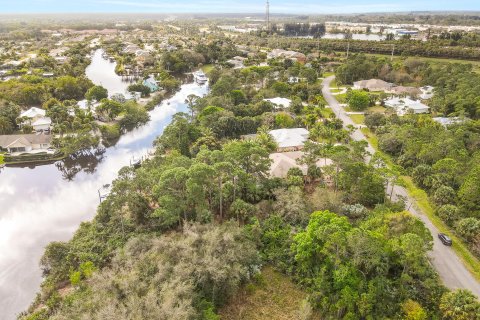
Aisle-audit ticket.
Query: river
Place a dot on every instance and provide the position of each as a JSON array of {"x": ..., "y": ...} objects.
[{"x": 40, "y": 204}]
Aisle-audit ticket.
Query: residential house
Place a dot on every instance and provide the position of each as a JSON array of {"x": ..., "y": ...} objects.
[
  {"x": 131, "y": 48},
  {"x": 406, "y": 105},
  {"x": 373, "y": 85},
  {"x": 279, "y": 103},
  {"x": 292, "y": 139},
  {"x": 287, "y": 54},
  {"x": 25, "y": 142},
  {"x": 284, "y": 161},
  {"x": 407, "y": 91},
  {"x": 36, "y": 118}
]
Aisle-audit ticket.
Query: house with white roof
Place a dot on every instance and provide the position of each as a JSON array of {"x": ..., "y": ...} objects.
[
  {"x": 36, "y": 118},
  {"x": 280, "y": 103},
  {"x": 406, "y": 105},
  {"x": 291, "y": 139}
]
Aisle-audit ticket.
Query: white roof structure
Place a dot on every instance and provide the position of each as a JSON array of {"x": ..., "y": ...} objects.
[
  {"x": 444, "y": 121},
  {"x": 280, "y": 103},
  {"x": 33, "y": 112},
  {"x": 42, "y": 121},
  {"x": 287, "y": 138},
  {"x": 284, "y": 161},
  {"x": 403, "y": 105},
  {"x": 427, "y": 92}
]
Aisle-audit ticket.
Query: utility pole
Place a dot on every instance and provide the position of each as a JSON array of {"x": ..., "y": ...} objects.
[
  {"x": 393, "y": 50},
  {"x": 267, "y": 17},
  {"x": 348, "y": 48}
]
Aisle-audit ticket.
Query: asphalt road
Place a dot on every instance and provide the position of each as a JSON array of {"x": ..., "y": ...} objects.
[{"x": 451, "y": 270}]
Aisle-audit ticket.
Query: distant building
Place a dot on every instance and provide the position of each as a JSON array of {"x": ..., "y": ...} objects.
[
  {"x": 280, "y": 103},
  {"x": 373, "y": 85},
  {"x": 403, "y": 106},
  {"x": 444, "y": 121},
  {"x": 25, "y": 142},
  {"x": 290, "y": 139},
  {"x": 293, "y": 55}
]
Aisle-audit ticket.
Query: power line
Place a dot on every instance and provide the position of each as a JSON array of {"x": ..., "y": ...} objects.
[{"x": 267, "y": 17}]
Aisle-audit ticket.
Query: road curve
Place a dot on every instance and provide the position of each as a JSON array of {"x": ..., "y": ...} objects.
[{"x": 450, "y": 268}]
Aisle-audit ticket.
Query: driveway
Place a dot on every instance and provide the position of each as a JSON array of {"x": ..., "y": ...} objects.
[{"x": 451, "y": 270}]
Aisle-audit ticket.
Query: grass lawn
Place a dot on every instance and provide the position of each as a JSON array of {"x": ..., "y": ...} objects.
[
  {"x": 421, "y": 198},
  {"x": 273, "y": 297},
  {"x": 208, "y": 67},
  {"x": 1, "y": 158},
  {"x": 378, "y": 109},
  {"x": 357, "y": 118},
  {"x": 333, "y": 84},
  {"x": 335, "y": 90},
  {"x": 341, "y": 98},
  {"x": 327, "y": 112},
  {"x": 328, "y": 74}
]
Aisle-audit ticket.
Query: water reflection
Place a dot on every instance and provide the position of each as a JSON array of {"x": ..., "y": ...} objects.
[
  {"x": 48, "y": 203},
  {"x": 84, "y": 161}
]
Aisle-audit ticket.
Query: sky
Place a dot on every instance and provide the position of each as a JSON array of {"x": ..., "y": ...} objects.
[{"x": 235, "y": 6}]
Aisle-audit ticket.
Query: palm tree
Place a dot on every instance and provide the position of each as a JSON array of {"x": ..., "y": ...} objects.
[{"x": 191, "y": 101}]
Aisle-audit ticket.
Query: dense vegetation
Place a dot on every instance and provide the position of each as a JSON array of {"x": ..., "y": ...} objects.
[
  {"x": 444, "y": 162},
  {"x": 177, "y": 237}
]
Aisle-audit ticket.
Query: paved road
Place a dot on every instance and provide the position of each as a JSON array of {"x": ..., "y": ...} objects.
[{"x": 451, "y": 270}]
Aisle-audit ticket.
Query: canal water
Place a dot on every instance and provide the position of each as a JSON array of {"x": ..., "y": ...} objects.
[{"x": 40, "y": 204}]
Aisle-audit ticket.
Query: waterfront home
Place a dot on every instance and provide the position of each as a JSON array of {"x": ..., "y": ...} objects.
[
  {"x": 28, "y": 143},
  {"x": 403, "y": 106},
  {"x": 36, "y": 118},
  {"x": 291, "y": 139},
  {"x": 151, "y": 83},
  {"x": 373, "y": 85},
  {"x": 279, "y": 103}
]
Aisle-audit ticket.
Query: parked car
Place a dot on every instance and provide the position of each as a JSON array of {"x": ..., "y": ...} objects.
[{"x": 445, "y": 239}]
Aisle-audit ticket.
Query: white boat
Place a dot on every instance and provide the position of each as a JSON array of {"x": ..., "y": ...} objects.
[{"x": 200, "y": 77}]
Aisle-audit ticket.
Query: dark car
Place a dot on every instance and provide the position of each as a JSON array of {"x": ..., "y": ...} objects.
[{"x": 445, "y": 239}]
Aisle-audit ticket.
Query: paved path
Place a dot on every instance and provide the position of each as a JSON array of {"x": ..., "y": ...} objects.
[{"x": 452, "y": 271}]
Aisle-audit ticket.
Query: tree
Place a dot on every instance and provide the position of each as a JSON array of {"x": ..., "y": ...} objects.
[
  {"x": 460, "y": 305},
  {"x": 96, "y": 93},
  {"x": 468, "y": 228},
  {"x": 109, "y": 108},
  {"x": 469, "y": 193},
  {"x": 191, "y": 101},
  {"x": 444, "y": 195},
  {"x": 358, "y": 100},
  {"x": 139, "y": 87},
  {"x": 414, "y": 311},
  {"x": 449, "y": 213},
  {"x": 375, "y": 120},
  {"x": 6, "y": 126}
]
